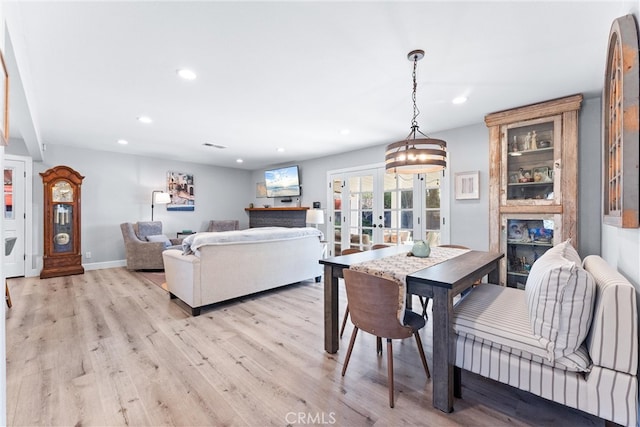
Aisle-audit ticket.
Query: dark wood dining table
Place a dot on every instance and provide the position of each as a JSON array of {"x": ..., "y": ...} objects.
[{"x": 440, "y": 282}]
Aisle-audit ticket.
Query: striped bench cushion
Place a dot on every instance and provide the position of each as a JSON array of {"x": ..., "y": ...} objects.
[{"x": 498, "y": 317}]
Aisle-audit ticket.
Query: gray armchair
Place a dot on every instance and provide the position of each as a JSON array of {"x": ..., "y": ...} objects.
[
  {"x": 223, "y": 225},
  {"x": 143, "y": 254}
]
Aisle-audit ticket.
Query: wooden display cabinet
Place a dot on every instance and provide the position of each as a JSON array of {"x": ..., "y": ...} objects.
[
  {"x": 62, "y": 245},
  {"x": 533, "y": 185}
]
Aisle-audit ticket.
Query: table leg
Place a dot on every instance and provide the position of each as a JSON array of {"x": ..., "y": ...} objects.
[
  {"x": 443, "y": 350},
  {"x": 330, "y": 310}
]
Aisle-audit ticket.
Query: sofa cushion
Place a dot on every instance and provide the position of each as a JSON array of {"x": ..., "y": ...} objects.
[
  {"x": 499, "y": 316},
  {"x": 560, "y": 295},
  {"x": 160, "y": 238}
]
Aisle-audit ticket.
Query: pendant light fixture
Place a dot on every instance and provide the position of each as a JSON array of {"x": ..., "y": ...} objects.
[{"x": 416, "y": 154}]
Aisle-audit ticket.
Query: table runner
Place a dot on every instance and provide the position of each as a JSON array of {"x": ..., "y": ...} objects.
[{"x": 397, "y": 267}]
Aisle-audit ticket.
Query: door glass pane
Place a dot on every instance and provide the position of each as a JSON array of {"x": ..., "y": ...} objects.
[
  {"x": 336, "y": 187},
  {"x": 8, "y": 193},
  {"x": 432, "y": 208},
  {"x": 398, "y": 208},
  {"x": 361, "y": 221}
]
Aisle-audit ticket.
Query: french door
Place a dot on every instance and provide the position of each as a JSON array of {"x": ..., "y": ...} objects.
[{"x": 368, "y": 206}]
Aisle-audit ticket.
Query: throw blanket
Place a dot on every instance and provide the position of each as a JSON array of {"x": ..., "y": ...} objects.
[
  {"x": 397, "y": 267},
  {"x": 263, "y": 234}
]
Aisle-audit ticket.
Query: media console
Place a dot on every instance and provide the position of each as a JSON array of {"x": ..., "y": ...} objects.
[{"x": 277, "y": 217}]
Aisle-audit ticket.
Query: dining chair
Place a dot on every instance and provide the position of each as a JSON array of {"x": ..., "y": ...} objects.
[
  {"x": 374, "y": 309},
  {"x": 346, "y": 310},
  {"x": 379, "y": 246}
]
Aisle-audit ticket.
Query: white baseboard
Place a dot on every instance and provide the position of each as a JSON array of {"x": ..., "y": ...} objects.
[{"x": 108, "y": 264}]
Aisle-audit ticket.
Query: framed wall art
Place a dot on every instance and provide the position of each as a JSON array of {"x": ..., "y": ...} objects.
[
  {"x": 181, "y": 188},
  {"x": 621, "y": 152},
  {"x": 467, "y": 185},
  {"x": 261, "y": 190}
]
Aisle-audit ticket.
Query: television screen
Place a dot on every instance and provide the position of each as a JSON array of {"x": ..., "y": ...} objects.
[{"x": 282, "y": 182}]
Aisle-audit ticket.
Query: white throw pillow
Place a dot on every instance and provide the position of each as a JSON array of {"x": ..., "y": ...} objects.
[
  {"x": 160, "y": 238},
  {"x": 560, "y": 295}
]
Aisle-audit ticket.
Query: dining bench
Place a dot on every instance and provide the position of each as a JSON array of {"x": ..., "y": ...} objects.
[{"x": 582, "y": 354}]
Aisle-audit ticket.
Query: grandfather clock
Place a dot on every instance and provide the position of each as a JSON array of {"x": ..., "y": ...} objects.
[{"x": 62, "y": 252}]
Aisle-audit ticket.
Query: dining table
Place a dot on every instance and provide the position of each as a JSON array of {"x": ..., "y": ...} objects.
[{"x": 440, "y": 282}]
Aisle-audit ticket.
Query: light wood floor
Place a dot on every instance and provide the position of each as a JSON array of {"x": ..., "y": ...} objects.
[{"x": 110, "y": 348}]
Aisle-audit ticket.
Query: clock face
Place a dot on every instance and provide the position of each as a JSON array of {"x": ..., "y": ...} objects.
[{"x": 62, "y": 192}]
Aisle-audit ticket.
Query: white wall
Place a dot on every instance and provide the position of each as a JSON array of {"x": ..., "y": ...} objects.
[{"x": 117, "y": 188}]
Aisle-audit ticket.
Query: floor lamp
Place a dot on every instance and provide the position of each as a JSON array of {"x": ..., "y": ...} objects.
[{"x": 162, "y": 199}]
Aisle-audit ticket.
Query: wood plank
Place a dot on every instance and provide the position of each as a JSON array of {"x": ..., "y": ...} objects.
[{"x": 122, "y": 353}]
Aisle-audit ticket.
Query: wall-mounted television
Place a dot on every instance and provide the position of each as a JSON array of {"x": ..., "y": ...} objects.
[{"x": 282, "y": 182}]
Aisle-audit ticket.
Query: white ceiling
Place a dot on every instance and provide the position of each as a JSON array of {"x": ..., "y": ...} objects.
[{"x": 292, "y": 74}]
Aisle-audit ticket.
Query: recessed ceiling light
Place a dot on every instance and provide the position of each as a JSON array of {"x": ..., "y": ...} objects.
[
  {"x": 345, "y": 132},
  {"x": 187, "y": 74},
  {"x": 144, "y": 119},
  {"x": 239, "y": 160},
  {"x": 459, "y": 100},
  {"x": 123, "y": 142},
  {"x": 280, "y": 150}
]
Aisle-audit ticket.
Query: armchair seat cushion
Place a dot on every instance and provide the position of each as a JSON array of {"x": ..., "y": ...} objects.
[{"x": 159, "y": 238}]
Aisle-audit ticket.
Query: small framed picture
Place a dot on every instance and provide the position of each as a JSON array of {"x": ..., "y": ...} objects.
[
  {"x": 541, "y": 174},
  {"x": 513, "y": 177},
  {"x": 467, "y": 185}
]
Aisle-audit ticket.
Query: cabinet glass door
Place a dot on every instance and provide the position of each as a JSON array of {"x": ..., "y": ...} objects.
[
  {"x": 62, "y": 228},
  {"x": 530, "y": 151},
  {"x": 526, "y": 239}
]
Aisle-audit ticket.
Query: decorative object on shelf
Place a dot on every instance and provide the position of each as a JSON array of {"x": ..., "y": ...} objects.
[
  {"x": 467, "y": 185},
  {"x": 421, "y": 249},
  {"x": 315, "y": 217},
  {"x": 620, "y": 126},
  {"x": 181, "y": 188},
  {"x": 524, "y": 176},
  {"x": 160, "y": 198},
  {"x": 416, "y": 154},
  {"x": 4, "y": 102},
  {"x": 62, "y": 248}
]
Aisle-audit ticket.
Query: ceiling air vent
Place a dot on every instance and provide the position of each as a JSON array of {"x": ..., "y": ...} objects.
[{"x": 208, "y": 144}]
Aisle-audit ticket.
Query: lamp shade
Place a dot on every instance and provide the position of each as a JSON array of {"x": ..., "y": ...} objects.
[
  {"x": 420, "y": 155},
  {"x": 315, "y": 216},
  {"x": 162, "y": 198}
]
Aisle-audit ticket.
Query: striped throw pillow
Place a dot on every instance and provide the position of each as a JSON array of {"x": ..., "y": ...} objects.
[{"x": 560, "y": 295}]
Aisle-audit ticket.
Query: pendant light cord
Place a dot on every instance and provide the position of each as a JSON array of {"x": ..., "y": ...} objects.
[{"x": 416, "y": 112}]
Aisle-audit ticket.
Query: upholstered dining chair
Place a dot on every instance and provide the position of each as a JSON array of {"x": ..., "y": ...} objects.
[
  {"x": 223, "y": 225},
  {"x": 373, "y": 304},
  {"x": 379, "y": 246},
  {"x": 346, "y": 310}
]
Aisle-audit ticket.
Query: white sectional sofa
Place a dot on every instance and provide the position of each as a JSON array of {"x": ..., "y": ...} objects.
[
  {"x": 219, "y": 266},
  {"x": 495, "y": 338}
]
